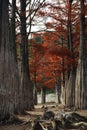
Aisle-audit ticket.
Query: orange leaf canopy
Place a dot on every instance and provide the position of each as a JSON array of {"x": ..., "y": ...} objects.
[{"x": 59, "y": 51}]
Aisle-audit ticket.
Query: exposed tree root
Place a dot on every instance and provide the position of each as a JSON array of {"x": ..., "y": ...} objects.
[
  {"x": 10, "y": 119},
  {"x": 70, "y": 121},
  {"x": 50, "y": 121}
]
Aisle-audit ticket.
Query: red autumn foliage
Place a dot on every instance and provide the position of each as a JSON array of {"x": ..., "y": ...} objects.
[
  {"x": 49, "y": 55},
  {"x": 59, "y": 51}
]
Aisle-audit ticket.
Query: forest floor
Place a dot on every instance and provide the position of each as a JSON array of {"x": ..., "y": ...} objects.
[{"x": 38, "y": 111}]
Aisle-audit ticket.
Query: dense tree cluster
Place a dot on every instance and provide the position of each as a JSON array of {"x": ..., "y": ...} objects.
[{"x": 55, "y": 56}]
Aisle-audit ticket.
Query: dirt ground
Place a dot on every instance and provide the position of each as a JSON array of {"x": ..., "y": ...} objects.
[{"x": 38, "y": 111}]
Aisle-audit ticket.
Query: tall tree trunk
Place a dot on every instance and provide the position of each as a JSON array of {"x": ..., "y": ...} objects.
[
  {"x": 0, "y": 19},
  {"x": 70, "y": 86},
  {"x": 13, "y": 41},
  {"x": 81, "y": 75},
  {"x": 63, "y": 78},
  {"x": 26, "y": 87},
  {"x": 13, "y": 27},
  {"x": 8, "y": 71}
]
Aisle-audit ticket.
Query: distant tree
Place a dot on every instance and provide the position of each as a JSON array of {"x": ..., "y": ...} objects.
[
  {"x": 43, "y": 95},
  {"x": 37, "y": 53}
]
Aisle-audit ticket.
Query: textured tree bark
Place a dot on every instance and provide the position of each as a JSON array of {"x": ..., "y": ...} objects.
[
  {"x": 8, "y": 68},
  {"x": 26, "y": 87},
  {"x": 0, "y": 20},
  {"x": 70, "y": 90},
  {"x": 63, "y": 79},
  {"x": 13, "y": 26},
  {"x": 70, "y": 85},
  {"x": 35, "y": 94},
  {"x": 13, "y": 42},
  {"x": 81, "y": 75}
]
